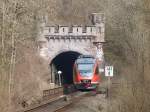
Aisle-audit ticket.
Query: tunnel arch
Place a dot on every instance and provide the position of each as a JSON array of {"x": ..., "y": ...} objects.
[{"x": 63, "y": 61}]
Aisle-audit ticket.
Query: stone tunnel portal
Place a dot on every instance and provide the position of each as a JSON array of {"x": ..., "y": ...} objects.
[{"x": 63, "y": 62}]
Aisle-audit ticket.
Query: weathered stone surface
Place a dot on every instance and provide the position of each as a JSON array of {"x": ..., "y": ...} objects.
[{"x": 54, "y": 40}]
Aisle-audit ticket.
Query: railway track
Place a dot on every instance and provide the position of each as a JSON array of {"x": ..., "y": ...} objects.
[
  {"x": 73, "y": 101},
  {"x": 67, "y": 102},
  {"x": 61, "y": 104}
]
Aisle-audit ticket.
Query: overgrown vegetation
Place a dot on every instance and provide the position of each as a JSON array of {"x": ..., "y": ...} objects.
[
  {"x": 18, "y": 28},
  {"x": 128, "y": 32}
]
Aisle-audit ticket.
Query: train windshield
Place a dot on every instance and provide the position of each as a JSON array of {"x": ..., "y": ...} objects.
[
  {"x": 85, "y": 66},
  {"x": 85, "y": 69}
]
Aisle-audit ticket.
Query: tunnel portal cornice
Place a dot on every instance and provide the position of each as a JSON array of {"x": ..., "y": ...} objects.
[{"x": 93, "y": 32}]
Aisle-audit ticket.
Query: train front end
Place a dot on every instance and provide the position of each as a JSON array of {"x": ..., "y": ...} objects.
[{"x": 86, "y": 73}]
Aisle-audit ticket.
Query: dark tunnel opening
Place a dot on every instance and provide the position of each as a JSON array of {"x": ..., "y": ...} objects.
[{"x": 64, "y": 62}]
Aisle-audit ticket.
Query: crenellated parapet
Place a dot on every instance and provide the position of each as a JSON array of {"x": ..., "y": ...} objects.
[
  {"x": 74, "y": 32},
  {"x": 84, "y": 39},
  {"x": 93, "y": 32}
]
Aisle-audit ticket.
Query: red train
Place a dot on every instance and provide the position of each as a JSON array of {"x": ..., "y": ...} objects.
[{"x": 86, "y": 74}]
